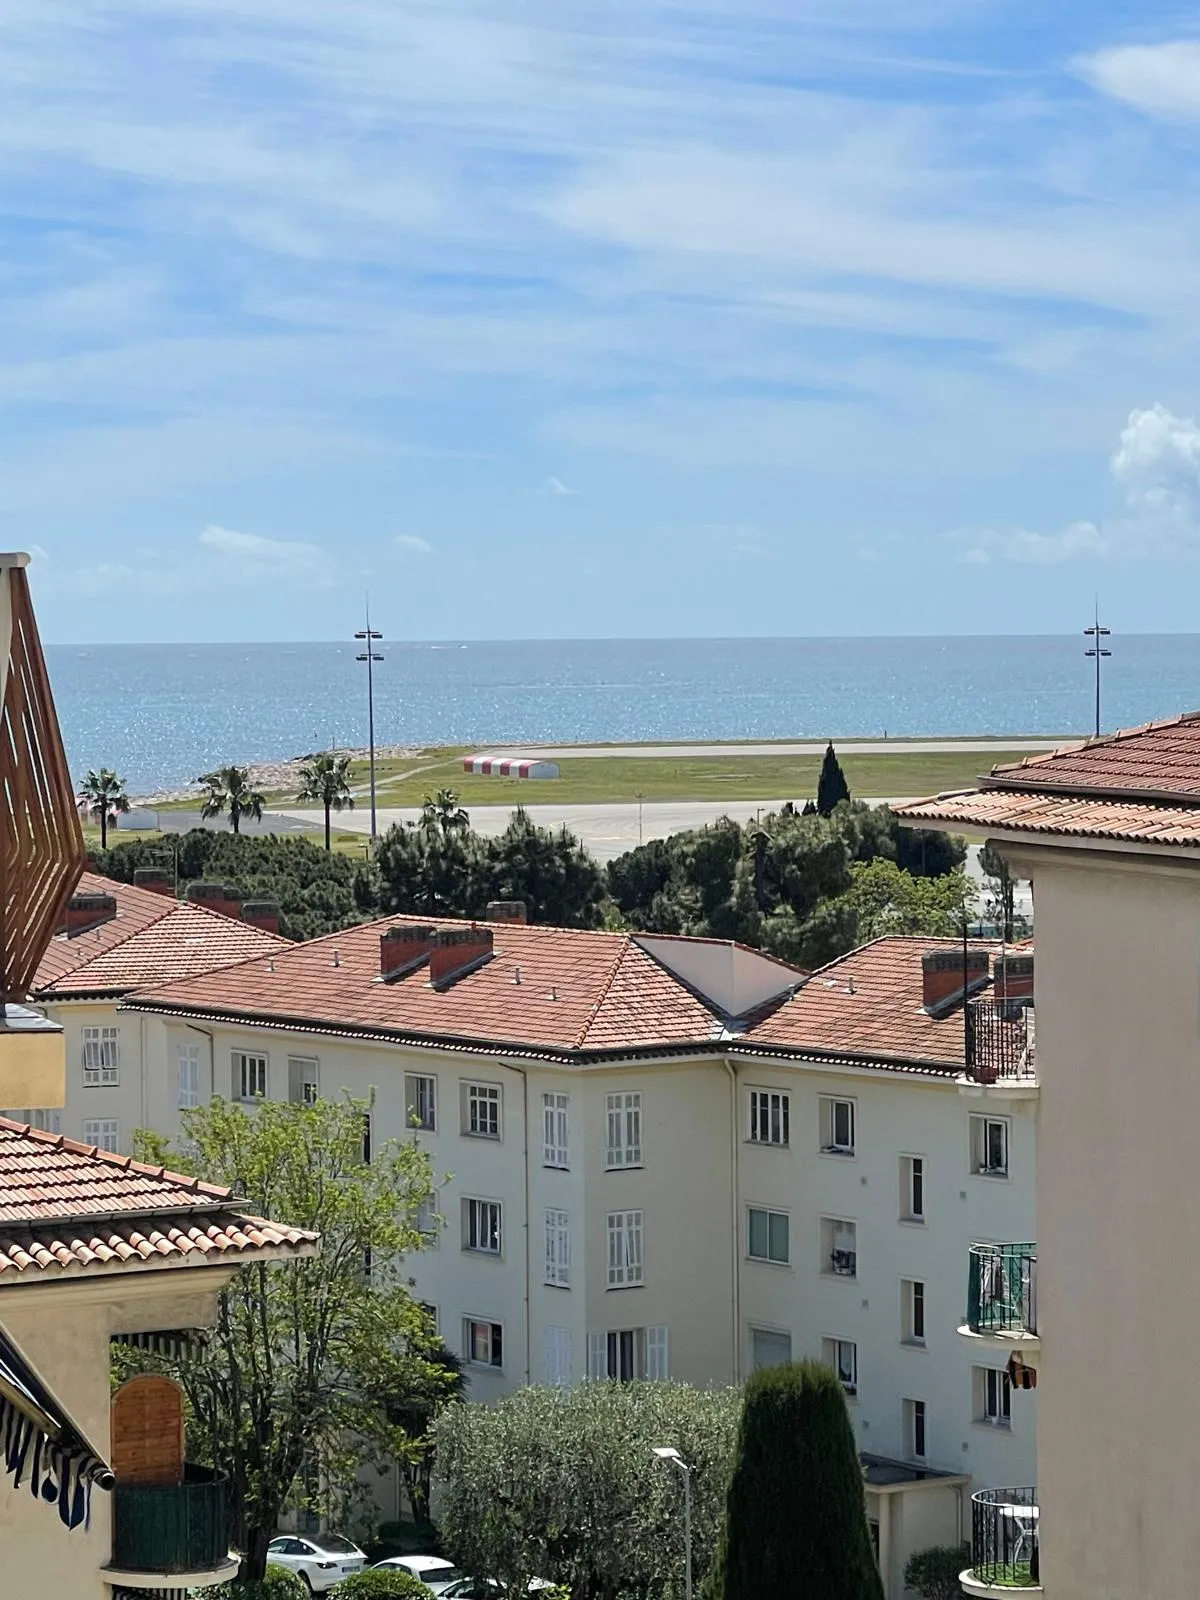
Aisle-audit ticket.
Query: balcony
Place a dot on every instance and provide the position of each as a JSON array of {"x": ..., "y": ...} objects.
[
  {"x": 1002, "y": 1294},
  {"x": 169, "y": 1532},
  {"x": 1004, "y": 1543},
  {"x": 1000, "y": 1048}
]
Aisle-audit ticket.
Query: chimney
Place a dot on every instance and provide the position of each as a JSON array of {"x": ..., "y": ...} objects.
[
  {"x": 87, "y": 911},
  {"x": 942, "y": 977},
  {"x": 1012, "y": 977},
  {"x": 262, "y": 914},
  {"x": 158, "y": 880},
  {"x": 506, "y": 911},
  {"x": 404, "y": 946},
  {"x": 457, "y": 952},
  {"x": 220, "y": 897}
]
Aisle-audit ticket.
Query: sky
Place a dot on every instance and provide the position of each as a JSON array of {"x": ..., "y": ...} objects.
[{"x": 600, "y": 318}]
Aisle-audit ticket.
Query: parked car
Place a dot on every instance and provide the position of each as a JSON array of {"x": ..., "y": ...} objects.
[
  {"x": 435, "y": 1572},
  {"x": 319, "y": 1559},
  {"x": 487, "y": 1589}
]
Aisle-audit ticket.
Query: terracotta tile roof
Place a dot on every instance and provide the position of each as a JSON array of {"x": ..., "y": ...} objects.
[
  {"x": 152, "y": 939},
  {"x": 1064, "y": 815},
  {"x": 547, "y": 990},
  {"x": 67, "y": 1207},
  {"x": 1159, "y": 758},
  {"x": 867, "y": 1006}
]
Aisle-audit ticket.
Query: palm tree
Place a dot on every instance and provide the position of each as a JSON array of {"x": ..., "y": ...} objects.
[
  {"x": 230, "y": 787},
  {"x": 443, "y": 813},
  {"x": 104, "y": 795},
  {"x": 324, "y": 781}
]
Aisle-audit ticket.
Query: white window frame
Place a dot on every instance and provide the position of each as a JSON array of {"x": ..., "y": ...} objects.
[
  {"x": 769, "y": 1333},
  {"x": 493, "y": 1333},
  {"x": 429, "y": 1222},
  {"x": 835, "y": 1109},
  {"x": 248, "y": 1063},
  {"x": 557, "y": 1273},
  {"x": 913, "y": 1311},
  {"x": 103, "y": 1132},
  {"x": 626, "y": 1249},
  {"x": 101, "y": 1056},
  {"x": 648, "y": 1349},
  {"x": 984, "y": 1131},
  {"x": 557, "y": 1357},
  {"x": 915, "y": 1428},
  {"x": 482, "y": 1222},
  {"x": 482, "y": 1110},
  {"x": 773, "y": 1216},
  {"x": 769, "y": 1113},
  {"x": 839, "y": 1260},
  {"x": 623, "y": 1124},
  {"x": 993, "y": 1397},
  {"x": 304, "y": 1080},
  {"x": 913, "y": 1176},
  {"x": 556, "y": 1130},
  {"x": 187, "y": 1075},
  {"x": 420, "y": 1101},
  {"x": 842, "y": 1356}
]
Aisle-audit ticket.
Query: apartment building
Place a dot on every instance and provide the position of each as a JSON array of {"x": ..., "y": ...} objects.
[
  {"x": 1109, "y": 832},
  {"x": 658, "y": 1157}
]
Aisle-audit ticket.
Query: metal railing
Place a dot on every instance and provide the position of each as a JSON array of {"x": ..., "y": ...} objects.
[
  {"x": 1000, "y": 1039},
  {"x": 1002, "y": 1289},
  {"x": 1004, "y": 1537},
  {"x": 173, "y": 1528}
]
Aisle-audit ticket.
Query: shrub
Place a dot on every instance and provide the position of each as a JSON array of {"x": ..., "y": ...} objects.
[
  {"x": 933, "y": 1573},
  {"x": 279, "y": 1584},
  {"x": 381, "y": 1583}
]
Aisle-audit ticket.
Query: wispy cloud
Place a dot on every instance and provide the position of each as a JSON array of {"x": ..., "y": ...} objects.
[
  {"x": 1161, "y": 79},
  {"x": 412, "y": 544},
  {"x": 281, "y": 557},
  {"x": 556, "y": 487}
]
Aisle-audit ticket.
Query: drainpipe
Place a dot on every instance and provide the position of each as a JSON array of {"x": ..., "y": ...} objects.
[{"x": 735, "y": 1232}]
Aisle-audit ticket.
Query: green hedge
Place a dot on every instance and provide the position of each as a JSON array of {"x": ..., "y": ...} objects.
[
  {"x": 279, "y": 1584},
  {"x": 381, "y": 1583}
]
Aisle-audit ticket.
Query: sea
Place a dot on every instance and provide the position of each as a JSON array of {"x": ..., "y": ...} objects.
[{"x": 161, "y": 714}]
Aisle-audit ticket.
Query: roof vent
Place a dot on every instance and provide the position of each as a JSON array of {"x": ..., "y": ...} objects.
[
  {"x": 457, "y": 952},
  {"x": 507, "y": 911},
  {"x": 405, "y": 946},
  {"x": 86, "y": 911},
  {"x": 942, "y": 977}
]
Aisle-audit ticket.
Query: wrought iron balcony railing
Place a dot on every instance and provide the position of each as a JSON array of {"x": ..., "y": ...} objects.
[
  {"x": 1000, "y": 1040},
  {"x": 176, "y": 1528},
  {"x": 1002, "y": 1289},
  {"x": 1004, "y": 1538}
]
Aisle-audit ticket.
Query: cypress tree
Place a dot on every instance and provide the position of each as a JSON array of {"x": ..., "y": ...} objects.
[
  {"x": 831, "y": 785},
  {"x": 795, "y": 1519}
]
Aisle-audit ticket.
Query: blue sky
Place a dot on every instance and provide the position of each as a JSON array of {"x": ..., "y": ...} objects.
[{"x": 626, "y": 318}]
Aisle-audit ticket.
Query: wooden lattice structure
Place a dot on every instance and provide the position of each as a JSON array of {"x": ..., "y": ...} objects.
[{"x": 42, "y": 852}]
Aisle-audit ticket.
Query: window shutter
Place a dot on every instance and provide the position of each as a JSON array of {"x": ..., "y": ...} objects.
[
  {"x": 633, "y": 1132},
  {"x": 633, "y": 1247},
  {"x": 597, "y": 1355},
  {"x": 614, "y": 1151},
  {"x": 656, "y": 1352},
  {"x": 556, "y": 1356}
]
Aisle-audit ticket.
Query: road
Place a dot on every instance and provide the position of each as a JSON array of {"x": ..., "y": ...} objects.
[{"x": 679, "y": 752}]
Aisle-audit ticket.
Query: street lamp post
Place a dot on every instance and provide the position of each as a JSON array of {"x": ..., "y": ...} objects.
[
  {"x": 1097, "y": 634},
  {"x": 370, "y": 655},
  {"x": 669, "y": 1453}
]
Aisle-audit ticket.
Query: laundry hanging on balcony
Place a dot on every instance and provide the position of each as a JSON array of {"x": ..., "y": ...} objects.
[{"x": 39, "y": 1443}]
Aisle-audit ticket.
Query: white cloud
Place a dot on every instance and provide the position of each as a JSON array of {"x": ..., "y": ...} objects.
[
  {"x": 1034, "y": 549},
  {"x": 1162, "y": 79},
  {"x": 282, "y": 556},
  {"x": 1157, "y": 464},
  {"x": 413, "y": 544},
  {"x": 555, "y": 486}
]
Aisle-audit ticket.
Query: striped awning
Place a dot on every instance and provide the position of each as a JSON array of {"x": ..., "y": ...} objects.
[
  {"x": 40, "y": 1445},
  {"x": 175, "y": 1344}
]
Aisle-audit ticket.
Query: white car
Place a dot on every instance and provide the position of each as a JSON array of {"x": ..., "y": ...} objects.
[
  {"x": 435, "y": 1572},
  {"x": 319, "y": 1559}
]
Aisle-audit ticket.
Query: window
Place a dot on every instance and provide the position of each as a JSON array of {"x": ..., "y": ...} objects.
[
  {"x": 913, "y": 1423},
  {"x": 554, "y": 1130},
  {"x": 842, "y": 1356},
  {"x": 431, "y": 1311},
  {"x": 420, "y": 1101},
  {"x": 839, "y": 1247},
  {"x": 303, "y": 1083},
  {"x": 768, "y": 1240},
  {"x": 556, "y": 1356},
  {"x": 837, "y": 1126},
  {"x": 46, "y": 1121},
  {"x": 625, "y": 1265},
  {"x": 366, "y": 1136},
  {"x": 989, "y": 1146},
  {"x": 188, "y": 1063},
  {"x": 558, "y": 1249},
  {"x": 428, "y": 1223},
  {"x": 101, "y": 1057},
  {"x": 769, "y": 1349},
  {"x": 481, "y": 1226},
  {"x": 993, "y": 1396},
  {"x": 624, "y": 1148},
  {"x": 769, "y": 1116},
  {"x": 103, "y": 1132},
  {"x": 481, "y": 1110},
  {"x": 249, "y": 1076},
  {"x": 912, "y": 1188},
  {"x": 483, "y": 1343},
  {"x": 628, "y": 1354},
  {"x": 912, "y": 1311}
]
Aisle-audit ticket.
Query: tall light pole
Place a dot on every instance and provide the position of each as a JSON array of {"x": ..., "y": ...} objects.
[
  {"x": 1096, "y": 633},
  {"x": 669, "y": 1453},
  {"x": 370, "y": 655}
]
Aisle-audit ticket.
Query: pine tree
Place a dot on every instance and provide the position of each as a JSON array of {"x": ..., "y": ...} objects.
[
  {"x": 831, "y": 785},
  {"x": 796, "y": 1521}
]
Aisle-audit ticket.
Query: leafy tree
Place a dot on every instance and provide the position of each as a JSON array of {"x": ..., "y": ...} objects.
[
  {"x": 564, "y": 1484},
  {"x": 103, "y": 793},
  {"x": 796, "y": 1521},
  {"x": 431, "y": 873},
  {"x": 885, "y": 899},
  {"x": 443, "y": 814},
  {"x": 549, "y": 870},
  {"x": 413, "y": 1411},
  {"x": 287, "y": 1388},
  {"x": 228, "y": 788},
  {"x": 278, "y": 1584},
  {"x": 1001, "y": 889},
  {"x": 382, "y": 1583},
  {"x": 832, "y": 787},
  {"x": 325, "y": 781},
  {"x": 933, "y": 1573}
]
